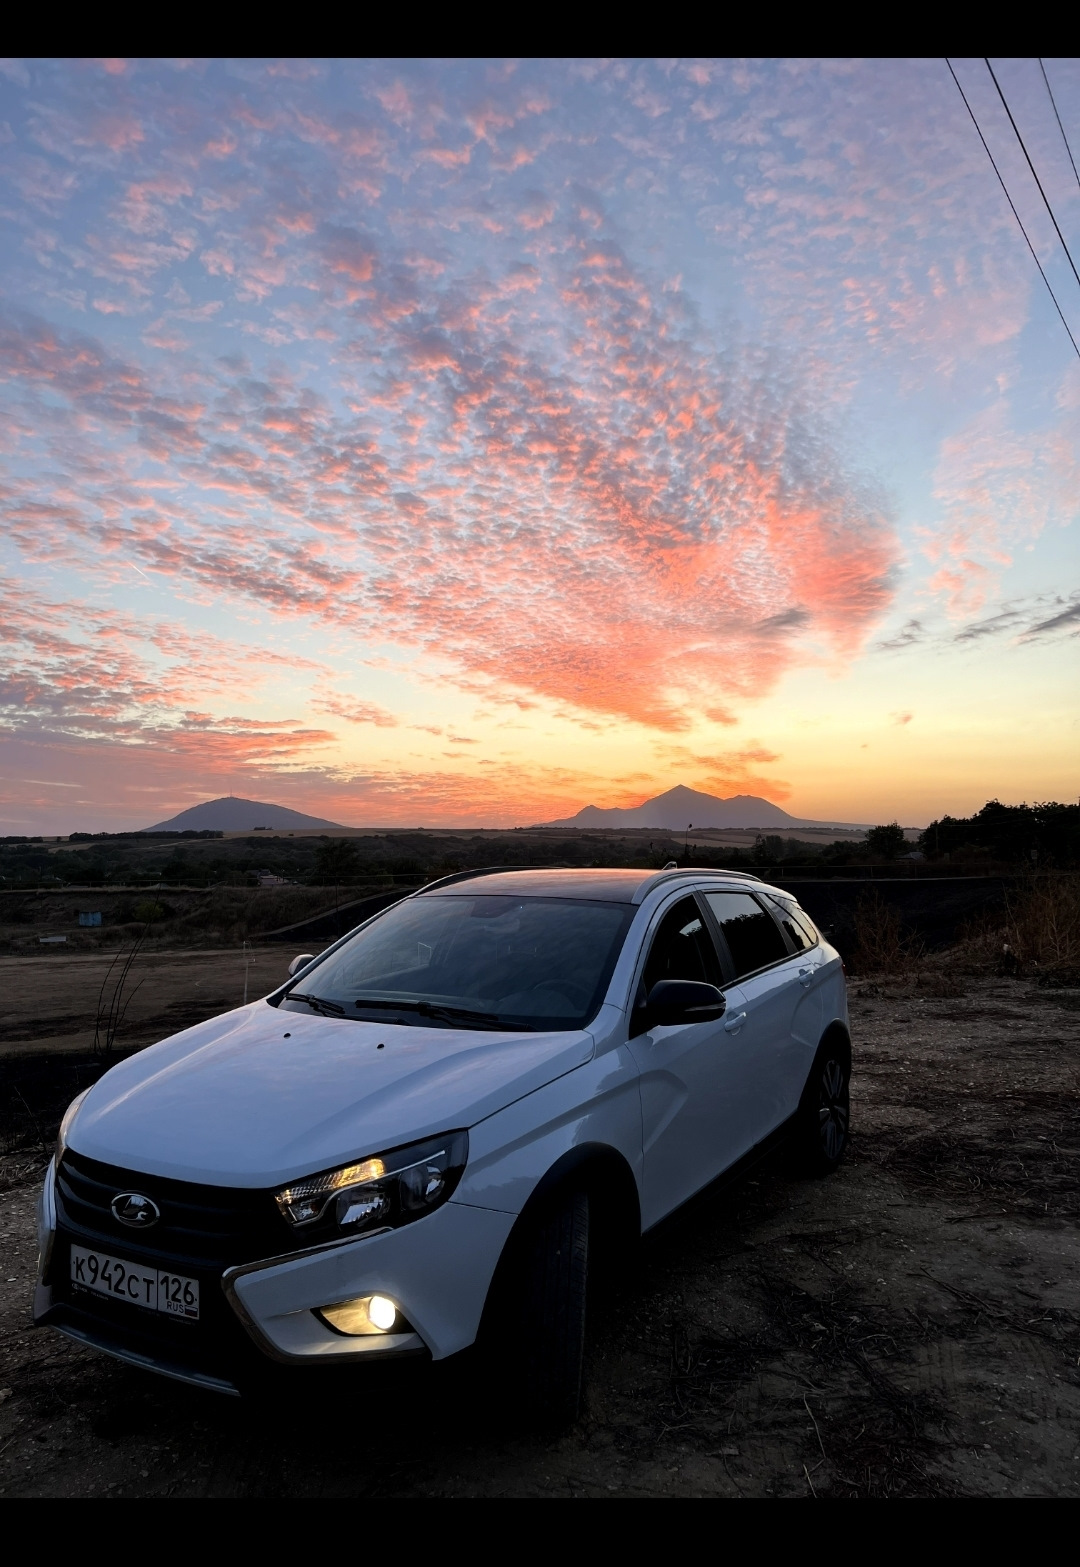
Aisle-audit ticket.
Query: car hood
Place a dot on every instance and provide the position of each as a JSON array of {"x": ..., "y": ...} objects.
[{"x": 259, "y": 1096}]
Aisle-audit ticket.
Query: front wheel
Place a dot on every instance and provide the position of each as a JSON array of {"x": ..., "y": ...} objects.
[
  {"x": 539, "y": 1342},
  {"x": 824, "y": 1119}
]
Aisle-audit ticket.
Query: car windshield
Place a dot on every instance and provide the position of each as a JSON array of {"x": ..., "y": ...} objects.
[{"x": 470, "y": 961}]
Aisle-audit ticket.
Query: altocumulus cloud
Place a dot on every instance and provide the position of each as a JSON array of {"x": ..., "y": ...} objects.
[
  {"x": 599, "y": 511},
  {"x": 372, "y": 350}
]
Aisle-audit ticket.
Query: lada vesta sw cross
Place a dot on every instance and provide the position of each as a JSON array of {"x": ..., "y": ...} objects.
[{"x": 418, "y": 1141}]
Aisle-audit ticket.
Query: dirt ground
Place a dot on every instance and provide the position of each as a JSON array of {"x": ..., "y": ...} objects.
[
  {"x": 908, "y": 1327},
  {"x": 51, "y": 1002}
]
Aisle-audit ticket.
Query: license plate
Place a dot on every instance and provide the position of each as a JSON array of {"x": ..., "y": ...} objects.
[{"x": 151, "y": 1288}]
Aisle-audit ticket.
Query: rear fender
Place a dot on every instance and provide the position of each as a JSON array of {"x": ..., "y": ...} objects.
[{"x": 835, "y": 1038}]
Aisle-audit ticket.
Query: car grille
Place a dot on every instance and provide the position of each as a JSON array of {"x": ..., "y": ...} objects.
[
  {"x": 202, "y": 1231},
  {"x": 204, "y": 1227}
]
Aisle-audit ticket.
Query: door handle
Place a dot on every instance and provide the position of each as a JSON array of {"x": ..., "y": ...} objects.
[
  {"x": 806, "y": 977},
  {"x": 732, "y": 1025}
]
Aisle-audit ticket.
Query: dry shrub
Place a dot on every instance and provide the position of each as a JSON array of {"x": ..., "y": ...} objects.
[
  {"x": 1037, "y": 933},
  {"x": 977, "y": 950},
  {"x": 882, "y": 945},
  {"x": 1042, "y": 925}
]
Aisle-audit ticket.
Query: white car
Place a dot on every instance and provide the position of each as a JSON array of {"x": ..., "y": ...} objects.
[{"x": 416, "y": 1142}]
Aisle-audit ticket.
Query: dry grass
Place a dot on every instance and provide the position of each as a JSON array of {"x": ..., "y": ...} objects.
[
  {"x": 1036, "y": 935},
  {"x": 1042, "y": 926},
  {"x": 883, "y": 946}
]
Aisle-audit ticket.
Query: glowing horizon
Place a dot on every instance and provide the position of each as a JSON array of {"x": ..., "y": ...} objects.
[{"x": 463, "y": 444}]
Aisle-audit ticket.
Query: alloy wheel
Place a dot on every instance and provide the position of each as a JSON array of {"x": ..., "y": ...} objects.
[{"x": 833, "y": 1109}]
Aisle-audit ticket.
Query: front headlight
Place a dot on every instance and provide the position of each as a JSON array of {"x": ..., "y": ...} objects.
[
  {"x": 65, "y": 1125},
  {"x": 382, "y": 1192}
]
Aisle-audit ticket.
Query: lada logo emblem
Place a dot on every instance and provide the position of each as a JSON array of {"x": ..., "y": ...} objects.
[{"x": 134, "y": 1209}]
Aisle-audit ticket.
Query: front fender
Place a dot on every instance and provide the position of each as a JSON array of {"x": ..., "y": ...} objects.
[
  {"x": 46, "y": 1222},
  {"x": 512, "y": 1151}
]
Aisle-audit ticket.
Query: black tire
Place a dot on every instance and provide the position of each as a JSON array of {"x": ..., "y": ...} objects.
[
  {"x": 824, "y": 1119},
  {"x": 542, "y": 1337}
]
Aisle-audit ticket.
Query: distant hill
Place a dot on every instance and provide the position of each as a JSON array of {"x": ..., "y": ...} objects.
[
  {"x": 676, "y": 808},
  {"x": 232, "y": 814}
]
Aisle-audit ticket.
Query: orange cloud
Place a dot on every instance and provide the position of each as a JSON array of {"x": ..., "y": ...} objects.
[
  {"x": 354, "y": 711},
  {"x": 643, "y": 534}
]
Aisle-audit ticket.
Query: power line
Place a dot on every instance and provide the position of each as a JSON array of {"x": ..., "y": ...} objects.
[
  {"x": 1057, "y": 117},
  {"x": 1012, "y": 206},
  {"x": 1031, "y": 166}
]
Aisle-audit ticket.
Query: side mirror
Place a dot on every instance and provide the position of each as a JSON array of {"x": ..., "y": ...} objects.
[
  {"x": 301, "y": 962},
  {"x": 683, "y": 1001}
]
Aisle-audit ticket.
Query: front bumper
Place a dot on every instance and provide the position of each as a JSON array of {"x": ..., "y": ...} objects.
[{"x": 436, "y": 1270}]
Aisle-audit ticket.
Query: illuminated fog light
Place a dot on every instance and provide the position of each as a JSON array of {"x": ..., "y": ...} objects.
[
  {"x": 366, "y": 1314},
  {"x": 382, "y": 1312}
]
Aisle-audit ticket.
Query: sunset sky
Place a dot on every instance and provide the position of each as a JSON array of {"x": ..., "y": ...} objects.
[{"x": 423, "y": 443}]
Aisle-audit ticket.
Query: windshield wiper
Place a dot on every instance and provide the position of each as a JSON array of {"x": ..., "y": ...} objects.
[
  {"x": 330, "y": 1008},
  {"x": 435, "y": 1009}
]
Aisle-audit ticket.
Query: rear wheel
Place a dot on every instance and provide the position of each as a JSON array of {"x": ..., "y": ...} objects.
[
  {"x": 540, "y": 1338},
  {"x": 825, "y": 1111}
]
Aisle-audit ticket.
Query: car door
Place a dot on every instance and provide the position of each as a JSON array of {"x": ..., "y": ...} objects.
[
  {"x": 810, "y": 968},
  {"x": 689, "y": 1117},
  {"x": 777, "y": 1029}
]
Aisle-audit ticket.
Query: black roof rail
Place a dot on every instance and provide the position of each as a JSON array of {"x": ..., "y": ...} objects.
[{"x": 690, "y": 870}]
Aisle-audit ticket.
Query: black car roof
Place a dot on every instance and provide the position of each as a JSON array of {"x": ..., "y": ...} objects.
[{"x": 614, "y": 885}]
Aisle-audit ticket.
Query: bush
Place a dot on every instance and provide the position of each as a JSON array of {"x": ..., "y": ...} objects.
[
  {"x": 1042, "y": 926},
  {"x": 149, "y": 912},
  {"x": 1037, "y": 934},
  {"x": 882, "y": 945}
]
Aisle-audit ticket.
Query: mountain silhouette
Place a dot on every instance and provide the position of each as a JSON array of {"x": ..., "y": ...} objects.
[
  {"x": 231, "y": 814},
  {"x": 676, "y": 808}
]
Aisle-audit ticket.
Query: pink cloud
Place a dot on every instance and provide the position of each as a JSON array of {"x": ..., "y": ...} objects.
[
  {"x": 620, "y": 501},
  {"x": 80, "y": 671},
  {"x": 441, "y": 403},
  {"x": 354, "y": 711},
  {"x": 999, "y": 489}
]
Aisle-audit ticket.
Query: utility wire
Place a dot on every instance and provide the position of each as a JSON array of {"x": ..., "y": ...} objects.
[
  {"x": 1012, "y": 205},
  {"x": 1057, "y": 117},
  {"x": 1031, "y": 166}
]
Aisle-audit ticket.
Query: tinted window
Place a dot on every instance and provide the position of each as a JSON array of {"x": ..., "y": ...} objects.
[
  {"x": 536, "y": 963},
  {"x": 682, "y": 948},
  {"x": 788, "y": 915},
  {"x": 800, "y": 918},
  {"x": 751, "y": 934}
]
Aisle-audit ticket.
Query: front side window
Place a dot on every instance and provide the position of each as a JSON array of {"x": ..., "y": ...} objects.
[
  {"x": 682, "y": 949},
  {"x": 752, "y": 935},
  {"x": 473, "y": 961}
]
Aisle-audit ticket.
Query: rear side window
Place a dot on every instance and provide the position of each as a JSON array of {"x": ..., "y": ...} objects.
[
  {"x": 752, "y": 935},
  {"x": 682, "y": 948},
  {"x": 804, "y": 922},
  {"x": 795, "y": 922}
]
